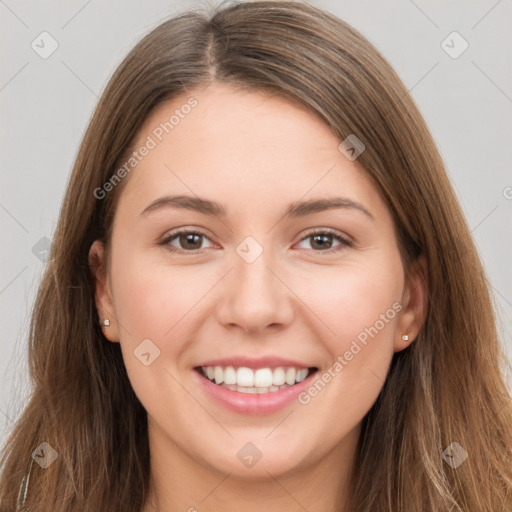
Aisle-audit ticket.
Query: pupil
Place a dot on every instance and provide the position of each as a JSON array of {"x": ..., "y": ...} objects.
[
  {"x": 189, "y": 238},
  {"x": 324, "y": 238}
]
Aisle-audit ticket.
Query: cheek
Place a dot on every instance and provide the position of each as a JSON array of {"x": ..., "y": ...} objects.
[
  {"x": 360, "y": 303},
  {"x": 153, "y": 300},
  {"x": 156, "y": 302},
  {"x": 352, "y": 298}
]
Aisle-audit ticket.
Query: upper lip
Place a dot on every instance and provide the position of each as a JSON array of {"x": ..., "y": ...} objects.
[{"x": 256, "y": 362}]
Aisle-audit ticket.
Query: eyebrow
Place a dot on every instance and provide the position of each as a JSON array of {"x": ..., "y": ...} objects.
[{"x": 297, "y": 209}]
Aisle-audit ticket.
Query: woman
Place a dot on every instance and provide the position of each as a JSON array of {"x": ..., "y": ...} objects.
[{"x": 326, "y": 342}]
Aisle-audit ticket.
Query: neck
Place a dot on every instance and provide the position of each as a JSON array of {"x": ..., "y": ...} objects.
[{"x": 180, "y": 482}]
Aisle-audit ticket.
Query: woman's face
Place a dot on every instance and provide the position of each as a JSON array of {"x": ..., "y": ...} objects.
[{"x": 270, "y": 283}]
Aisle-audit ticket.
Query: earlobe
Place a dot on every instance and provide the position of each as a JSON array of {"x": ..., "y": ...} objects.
[
  {"x": 102, "y": 293},
  {"x": 415, "y": 305}
]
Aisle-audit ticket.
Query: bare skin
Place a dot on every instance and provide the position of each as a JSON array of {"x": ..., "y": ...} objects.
[{"x": 255, "y": 154}]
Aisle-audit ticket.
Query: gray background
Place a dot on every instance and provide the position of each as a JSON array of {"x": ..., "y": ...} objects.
[{"x": 46, "y": 104}]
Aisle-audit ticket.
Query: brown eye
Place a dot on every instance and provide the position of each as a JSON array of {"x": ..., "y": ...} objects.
[
  {"x": 188, "y": 241},
  {"x": 321, "y": 242},
  {"x": 325, "y": 241}
]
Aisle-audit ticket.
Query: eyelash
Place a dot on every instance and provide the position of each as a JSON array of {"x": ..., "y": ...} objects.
[{"x": 345, "y": 242}]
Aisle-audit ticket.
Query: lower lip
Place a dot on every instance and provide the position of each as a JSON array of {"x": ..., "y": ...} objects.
[{"x": 254, "y": 403}]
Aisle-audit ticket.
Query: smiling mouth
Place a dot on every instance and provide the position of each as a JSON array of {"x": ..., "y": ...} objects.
[{"x": 255, "y": 381}]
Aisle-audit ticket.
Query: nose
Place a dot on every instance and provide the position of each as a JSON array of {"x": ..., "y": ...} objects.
[{"x": 255, "y": 297}]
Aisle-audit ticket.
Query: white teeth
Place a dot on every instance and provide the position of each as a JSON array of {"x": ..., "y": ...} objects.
[
  {"x": 244, "y": 376},
  {"x": 246, "y": 389},
  {"x": 290, "y": 376},
  {"x": 219, "y": 375},
  {"x": 247, "y": 380},
  {"x": 253, "y": 390},
  {"x": 263, "y": 378},
  {"x": 229, "y": 375},
  {"x": 278, "y": 377},
  {"x": 301, "y": 374}
]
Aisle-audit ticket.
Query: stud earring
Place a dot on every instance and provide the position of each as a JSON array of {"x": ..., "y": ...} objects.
[
  {"x": 405, "y": 337},
  {"x": 106, "y": 322}
]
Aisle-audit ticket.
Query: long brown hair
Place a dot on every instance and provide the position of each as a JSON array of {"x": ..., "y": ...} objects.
[{"x": 447, "y": 387}]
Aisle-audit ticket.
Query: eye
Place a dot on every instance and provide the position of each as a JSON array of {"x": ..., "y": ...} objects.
[
  {"x": 322, "y": 241},
  {"x": 189, "y": 241}
]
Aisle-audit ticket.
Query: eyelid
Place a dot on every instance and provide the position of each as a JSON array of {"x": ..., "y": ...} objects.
[
  {"x": 330, "y": 231},
  {"x": 344, "y": 239},
  {"x": 166, "y": 239}
]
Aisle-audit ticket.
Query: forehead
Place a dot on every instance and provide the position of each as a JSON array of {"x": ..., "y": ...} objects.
[{"x": 244, "y": 149}]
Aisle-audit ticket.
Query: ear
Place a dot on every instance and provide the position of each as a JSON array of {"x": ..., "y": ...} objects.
[
  {"x": 414, "y": 304},
  {"x": 102, "y": 294}
]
